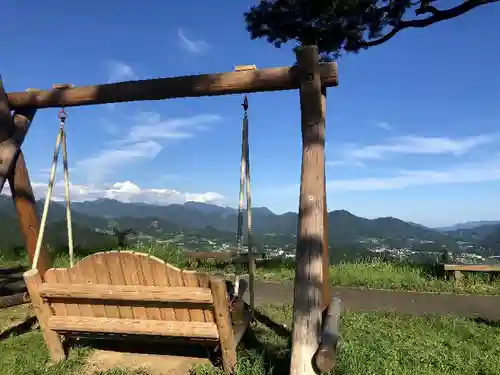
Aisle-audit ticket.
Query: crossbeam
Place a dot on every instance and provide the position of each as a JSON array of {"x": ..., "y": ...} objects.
[{"x": 249, "y": 81}]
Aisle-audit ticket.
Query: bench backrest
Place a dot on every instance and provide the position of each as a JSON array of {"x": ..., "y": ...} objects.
[{"x": 124, "y": 292}]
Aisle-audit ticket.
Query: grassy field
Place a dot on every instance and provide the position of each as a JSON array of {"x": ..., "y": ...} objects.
[
  {"x": 373, "y": 343},
  {"x": 392, "y": 276},
  {"x": 377, "y": 343},
  {"x": 374, "y": 274}
]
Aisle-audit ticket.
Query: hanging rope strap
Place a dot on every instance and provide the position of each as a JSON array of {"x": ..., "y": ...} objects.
[
  {"x": 251, "y": 262},
  {"x": 61, "y": 139},
  {"x": 245, "y": 184},
  {"x": 243, "y": 173}
]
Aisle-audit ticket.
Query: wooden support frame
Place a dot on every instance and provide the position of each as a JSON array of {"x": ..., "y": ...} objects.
[
  {"x": 309, "y": 76},
  {"x": 29, "y": 221},
  {"x": 222, "y": 318},
  {"x": 309, "y": 278},
  {"x": 273, "y": 79},
  {"x": 326, "y": 257},
  {"x": 13, "y": 131},
  {"x": 42, "y": 310}
]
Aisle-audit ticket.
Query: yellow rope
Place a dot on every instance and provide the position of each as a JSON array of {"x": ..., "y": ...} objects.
[
  {"x": 61, "y": 138},
  {"x": 69, "y": 222}
]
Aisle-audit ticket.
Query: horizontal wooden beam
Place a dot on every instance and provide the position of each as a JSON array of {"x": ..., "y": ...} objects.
[
  {"x": 273, "y": 79},
  {"x": 133, "y": 327},
  {"x": 126, "y": 293}
]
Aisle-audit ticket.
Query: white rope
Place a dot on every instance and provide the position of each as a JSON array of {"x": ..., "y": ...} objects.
[
  {"x": 61, "y": 138},
  {"x": 41, "y": 231},
  {"x": 69, "y": 225}
]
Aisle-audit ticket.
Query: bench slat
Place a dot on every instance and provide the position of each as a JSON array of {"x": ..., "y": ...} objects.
[
  {"x": 200, "y": 330},
  {"x": 472, "y": 267},
  {"x": 127, "y": 293}
]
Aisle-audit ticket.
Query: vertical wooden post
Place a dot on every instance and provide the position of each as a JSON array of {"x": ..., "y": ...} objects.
[
  {"x": 223, "y": 322},
  {"x": 11, "y": 137},
  {"x": 29, "y": 221},
  {"x": 326, "y": 257},
  {"x": 307, "y": 306},
  {"x": 42, "y": 310},
  {"x": 13, "y": 167}
]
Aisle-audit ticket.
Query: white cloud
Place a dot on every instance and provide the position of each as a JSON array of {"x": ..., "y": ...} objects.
[
  {"x": 143, "y": 141},
  {"x": 109, "y": 126},
  {"x": 151, "y": 126},
  {"x": 124, "y": 191},
  {"x": 483, "y": 171},
  {"x": 486, "y": 170},
  {"x": 384, "y": 125},
  {"x": 119, "y": 71},
  {"x": 193, "y": 46},
  {"x": 335, "y": 163},
  {"x": 97, "y": 167},
  {"x": 407, "y": 145}
]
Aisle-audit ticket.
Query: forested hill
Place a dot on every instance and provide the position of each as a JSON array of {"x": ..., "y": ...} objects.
[{"x": 343, "y": 227}]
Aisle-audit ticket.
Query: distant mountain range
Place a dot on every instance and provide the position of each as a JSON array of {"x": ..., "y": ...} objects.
[
  {"x": 466, "y": 225},
  {"x": 343, "y": 227}
]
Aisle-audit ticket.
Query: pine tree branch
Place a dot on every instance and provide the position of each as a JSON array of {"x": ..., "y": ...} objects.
[{"x": 436, "y": 16}]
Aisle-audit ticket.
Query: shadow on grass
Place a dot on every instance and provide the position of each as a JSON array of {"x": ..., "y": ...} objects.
[
  {"x": 276, "y": 357},
  {"x": 19, "y": 329},
  {"x": 487, "y": 322},
  {"x": 277, "y": 328},
  {"x": 139, "y": 344}
]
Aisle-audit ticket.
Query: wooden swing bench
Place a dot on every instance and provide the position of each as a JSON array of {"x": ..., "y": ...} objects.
[{"x": 126, "y": 293}]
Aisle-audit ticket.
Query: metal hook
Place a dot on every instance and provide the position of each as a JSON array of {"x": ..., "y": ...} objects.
[
  {"x": 62, "y": 116},
  {"x": 245, "y": 103}
]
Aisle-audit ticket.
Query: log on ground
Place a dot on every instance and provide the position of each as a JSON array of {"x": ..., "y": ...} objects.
[
  {"x": 8, "y": 287},
  {"x": 14, "y": 300},
  {"x": 325, "y": 358}
]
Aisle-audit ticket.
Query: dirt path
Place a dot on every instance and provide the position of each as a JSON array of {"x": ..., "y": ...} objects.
[{"x": 366, "y": 300}]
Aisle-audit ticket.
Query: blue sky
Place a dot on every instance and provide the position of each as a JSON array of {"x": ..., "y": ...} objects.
[{"x": 412, "y": 130}]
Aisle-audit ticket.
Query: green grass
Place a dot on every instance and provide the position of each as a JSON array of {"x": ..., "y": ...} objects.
[
  {"x": 372, "y": 343},
  {"x": 392, "y": 276},
  {"x": 374, "y": 274},
  {"x": 391, "y": 344},
  {"x": 370, "y": 274}
]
